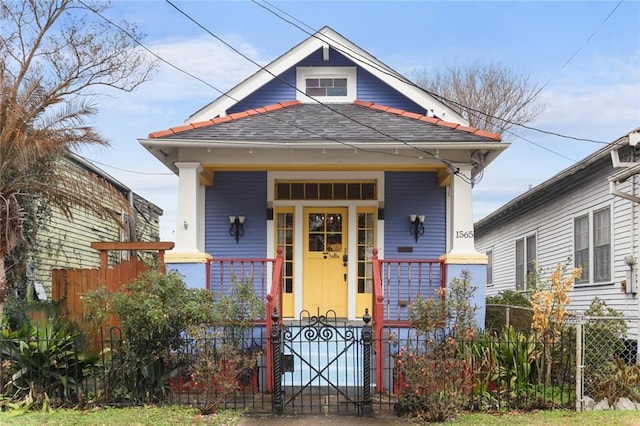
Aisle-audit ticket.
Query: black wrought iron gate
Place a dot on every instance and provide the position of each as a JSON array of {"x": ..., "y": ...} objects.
[{"x": 320, "y": 366}]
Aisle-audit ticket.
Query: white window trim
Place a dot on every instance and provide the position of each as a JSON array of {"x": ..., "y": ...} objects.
[
  {"x": 302, "y": 73},
  {"x": 490, "y": 263},
  {"x": 589, "y": 213},
  {"x": 524, "y": 238}
]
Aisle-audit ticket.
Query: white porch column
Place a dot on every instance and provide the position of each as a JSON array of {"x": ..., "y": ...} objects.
[
  {"x": 189, "y": 218},
  {"x": 461, "y": 241}
]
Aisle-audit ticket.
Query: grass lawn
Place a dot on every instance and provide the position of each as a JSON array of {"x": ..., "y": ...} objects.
[
  {"x": 553, "y": 417},
  {"x": 136, "y": 416},
  {"x": 184, "y": 416}
]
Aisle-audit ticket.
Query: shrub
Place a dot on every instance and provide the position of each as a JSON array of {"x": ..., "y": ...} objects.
[
  {"x": 434, "y": 376},
  {"x": 225, "y": 355},
  {"x": 42, "y": 363},
  {"x": 154, "y": 312}
]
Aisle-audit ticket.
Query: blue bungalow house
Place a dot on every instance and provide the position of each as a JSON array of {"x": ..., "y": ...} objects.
[{"x": 337, "y": 162}]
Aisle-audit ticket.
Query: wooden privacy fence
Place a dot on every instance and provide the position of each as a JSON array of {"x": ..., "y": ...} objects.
[{"x": 69, "y": 285}]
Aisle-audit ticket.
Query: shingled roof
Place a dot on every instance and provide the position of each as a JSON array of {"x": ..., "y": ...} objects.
[{"x": 296, "y": 121}]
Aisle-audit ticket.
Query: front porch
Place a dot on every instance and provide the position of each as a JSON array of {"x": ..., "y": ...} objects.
[{"x": 396, "y": 284}]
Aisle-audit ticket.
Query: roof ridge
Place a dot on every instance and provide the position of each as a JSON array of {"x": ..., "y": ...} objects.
[
  {"x": 224, "y": 119},
  {"x": 432, "y": 120}
]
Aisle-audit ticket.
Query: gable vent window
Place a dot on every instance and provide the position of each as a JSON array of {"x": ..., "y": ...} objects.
[
  {"x": 326, "y": 87},
  {"x": 326, "y": 84}
]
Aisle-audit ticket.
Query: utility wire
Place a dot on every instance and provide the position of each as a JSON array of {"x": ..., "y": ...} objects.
[
  {"x": 453, "y": 168},
  {"x": 139, "y": 43},
  {"x": 350, "y": 53},
  {"x": 579, "y": 49},
  {"x": 223, "y": 93},
  {"x": 127, "y": 170}
]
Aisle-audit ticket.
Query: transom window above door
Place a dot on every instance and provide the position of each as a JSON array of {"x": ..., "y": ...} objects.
[{"x": 304, "y": 190}]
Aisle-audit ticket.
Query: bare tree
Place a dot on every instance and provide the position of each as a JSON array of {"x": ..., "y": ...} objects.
[
  {"x": 54, "y": 55},
  {"x": 489, "y": 95}
]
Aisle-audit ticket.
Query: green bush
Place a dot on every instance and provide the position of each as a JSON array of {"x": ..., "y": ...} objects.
[
  {"x": 42, "y": 363},
  {"x": 155, "y": 311}
]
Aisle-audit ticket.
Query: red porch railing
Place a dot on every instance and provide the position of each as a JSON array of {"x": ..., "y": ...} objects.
[
  {"x": 222, "y": 271},
  {"x": 396, "y": 285},
  {"x": 274, "y": 301}
]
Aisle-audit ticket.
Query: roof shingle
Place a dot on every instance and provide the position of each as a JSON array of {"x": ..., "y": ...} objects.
[{"x": 361, "y": 121}]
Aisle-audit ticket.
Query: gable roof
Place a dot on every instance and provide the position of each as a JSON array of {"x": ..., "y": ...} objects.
[
  {"x": 321, "y": 39},
  {"x": 295, "y": 121}
]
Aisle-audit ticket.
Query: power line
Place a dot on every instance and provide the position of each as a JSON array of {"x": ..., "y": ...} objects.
[
  {"x": 583, "y": 45},
  {"x": 349, "y": 52},
  {"x": 127, "y": 170},
  {"x": 453, "y": 168}
]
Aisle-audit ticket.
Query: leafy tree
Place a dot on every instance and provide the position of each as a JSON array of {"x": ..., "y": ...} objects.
[
  {"x": 489, "y": 95},
  {"x": 54, "y": 55}
]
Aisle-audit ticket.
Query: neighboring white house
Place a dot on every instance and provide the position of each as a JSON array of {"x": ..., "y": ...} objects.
[{"x": 587, "y": 215}]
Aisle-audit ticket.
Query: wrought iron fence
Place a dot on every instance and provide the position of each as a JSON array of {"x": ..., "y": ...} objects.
[
  {"x": 491, "y": 370},
  {"x": 220, "y": 369},
  {"x": 608, "y": 362},
  {"x": 214, "y": 370}
]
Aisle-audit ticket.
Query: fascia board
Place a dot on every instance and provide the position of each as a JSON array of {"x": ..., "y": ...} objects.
[{"x": 197, "y": 143}]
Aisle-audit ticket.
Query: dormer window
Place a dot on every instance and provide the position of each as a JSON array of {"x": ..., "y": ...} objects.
[{"x": 326, "y": 84}]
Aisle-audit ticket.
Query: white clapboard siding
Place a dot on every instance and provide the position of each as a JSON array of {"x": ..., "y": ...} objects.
[{"x": 552, "y": 221}]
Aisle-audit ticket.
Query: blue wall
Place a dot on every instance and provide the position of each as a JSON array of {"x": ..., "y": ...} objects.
[
  {"x": 194, "y": 274},
  {"x": 414, "y": 193},
  {"x": 236, "y": 194},
  {"x": 478, "y": 280},
  {"x": 369, "y": 88}
]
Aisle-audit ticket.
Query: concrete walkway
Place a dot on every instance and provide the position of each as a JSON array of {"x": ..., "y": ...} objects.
[{"x": 312, "y": 420}]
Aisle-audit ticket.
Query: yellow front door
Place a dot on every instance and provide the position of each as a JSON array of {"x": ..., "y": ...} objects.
[{"x": 325, "y": 261}]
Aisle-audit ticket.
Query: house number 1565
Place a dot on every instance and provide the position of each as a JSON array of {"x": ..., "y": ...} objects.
[{"x": 464, "y": 234}]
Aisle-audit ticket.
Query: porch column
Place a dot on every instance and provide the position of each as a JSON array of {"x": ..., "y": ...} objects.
[
  {"x": 461, "y": 217},
  {"x": 189, "y": 218},
  {"x": 462, "y": 254}
]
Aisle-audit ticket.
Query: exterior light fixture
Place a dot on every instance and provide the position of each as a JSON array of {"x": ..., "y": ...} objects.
[
  {"x": 236, "y": 229},
  {"x": 417, "y": 226},
  {"x": 631, "y": 284}
]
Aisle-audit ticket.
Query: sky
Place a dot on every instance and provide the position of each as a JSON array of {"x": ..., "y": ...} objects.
[{"x": 585, "y": 54}]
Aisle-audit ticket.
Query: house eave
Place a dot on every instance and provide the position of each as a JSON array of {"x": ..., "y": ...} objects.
[{"x": 314, "y": 144}]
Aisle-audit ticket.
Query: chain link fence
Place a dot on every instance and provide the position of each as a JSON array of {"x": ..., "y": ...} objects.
[{"x": 607, "y": 362}]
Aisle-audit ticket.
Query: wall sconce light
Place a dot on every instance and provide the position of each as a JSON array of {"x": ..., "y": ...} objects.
[
  {"x": 631, "y": 286},
  {"x": 236, "y": 229},
  {"x": 417, "y": 225}
]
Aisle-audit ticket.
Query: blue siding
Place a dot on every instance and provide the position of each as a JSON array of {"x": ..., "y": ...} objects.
[
  {"x": 271, "y": 93},
  {"x": 282, "y": 89},
  {"x": 414, "y": 193},
  {"x": 193, "y": 274},
  {"x": 372, "y": 89},
  {"x": 233, "y": 194},
  {"x": 478, "y": 280}
]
